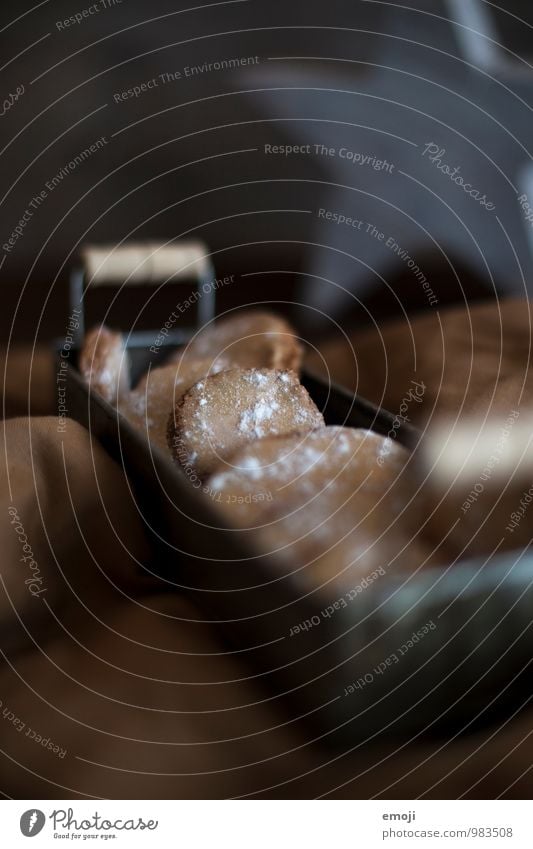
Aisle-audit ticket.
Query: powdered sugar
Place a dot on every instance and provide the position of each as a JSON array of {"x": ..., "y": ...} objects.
[
  {"x": 251, "y": 464},
  {"x": 386, "y": 447},
  {"x": 252, "y": 419},
  {"x": 218, "y": 482},
  {"x": 138, "y": 403},
  {"x": 258, "y": 378},
  {"x": 106, "y": 378},
  {"x": 251, "y": 467}
]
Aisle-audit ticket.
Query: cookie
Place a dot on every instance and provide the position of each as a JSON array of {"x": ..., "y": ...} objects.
[
  {"x": 330, "y": 502},
  {"x": 104, "y": 363},
  {"x": 150, "y": 404},
  {"x": 249, "y": 339},
  {"x": 228, "y": 410}
]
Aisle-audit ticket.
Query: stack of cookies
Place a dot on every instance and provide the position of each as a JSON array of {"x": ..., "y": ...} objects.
[{"x": 232, "y": 412}]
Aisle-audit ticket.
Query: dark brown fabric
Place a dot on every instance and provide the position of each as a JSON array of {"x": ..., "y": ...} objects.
[
  {"x": 70, "y": 525},
  {"x": 27, "y": 382}
]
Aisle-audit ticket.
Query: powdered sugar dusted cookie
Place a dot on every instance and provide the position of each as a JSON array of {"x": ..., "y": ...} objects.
[
  {"x": 150, "y": 404},
  {"x": 330, "y": 502},
  {"x": 104, "y": 363},
  {"x": 228, "y": 410},
  {"x": 250, "y": 339},
  {"x": 298, "y": 468}
]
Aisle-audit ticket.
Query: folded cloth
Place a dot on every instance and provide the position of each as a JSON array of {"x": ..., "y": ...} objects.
[
  {"x": 68, "y": 523},
  {"x": 141, "y": 703},
  {"x": 145, "y": 703},
  {"x": 110, "y": 688}
]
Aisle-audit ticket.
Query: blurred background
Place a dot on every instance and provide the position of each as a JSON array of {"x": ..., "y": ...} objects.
[
  {"x": 412, "y": 121},
  {"x": 363, "y": 166}
]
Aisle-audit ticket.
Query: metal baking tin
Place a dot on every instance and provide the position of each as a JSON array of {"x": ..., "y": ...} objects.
[{"x": 426, "y": 653}]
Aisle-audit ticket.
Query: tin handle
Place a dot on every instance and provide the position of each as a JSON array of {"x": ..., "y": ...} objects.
[{"x": 137, "y": 263}]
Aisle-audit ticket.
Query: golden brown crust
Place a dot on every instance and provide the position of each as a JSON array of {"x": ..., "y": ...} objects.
[{"x": 230, "y": 409}]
